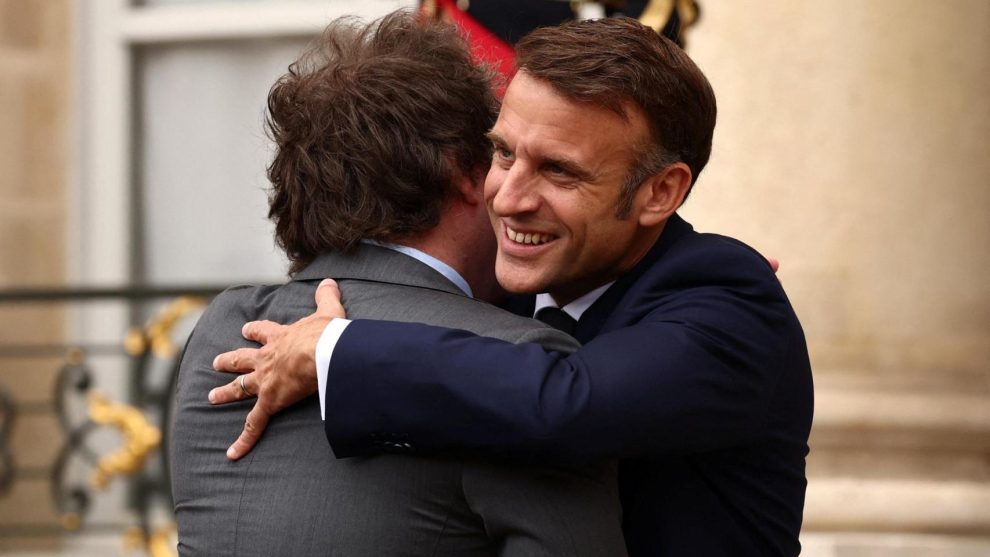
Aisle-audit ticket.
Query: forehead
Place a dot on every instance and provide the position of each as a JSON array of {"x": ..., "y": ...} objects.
[{"x": 538, "y": 118}]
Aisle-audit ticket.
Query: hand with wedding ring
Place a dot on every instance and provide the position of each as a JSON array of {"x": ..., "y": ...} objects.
[
  {"x": 243, "y": 388},
  {"x": 280, "y": 373}
]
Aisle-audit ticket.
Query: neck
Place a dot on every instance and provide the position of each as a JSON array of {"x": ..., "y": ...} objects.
[
  {"x": 636, "y": 251},
  {"x": 457, "y": 241}
]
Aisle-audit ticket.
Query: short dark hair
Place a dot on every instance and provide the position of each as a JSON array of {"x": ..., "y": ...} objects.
[
  {"x": 372, "y": 126},
  {"x": 613, "y": 61}
]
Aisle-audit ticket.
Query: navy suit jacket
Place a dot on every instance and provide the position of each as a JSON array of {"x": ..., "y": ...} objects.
[{"x": 694, "y": 371}]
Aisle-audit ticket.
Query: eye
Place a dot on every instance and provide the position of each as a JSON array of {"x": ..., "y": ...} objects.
[
  {"x": 504, "y": 154},
  {"x": 560, "y": 172}
]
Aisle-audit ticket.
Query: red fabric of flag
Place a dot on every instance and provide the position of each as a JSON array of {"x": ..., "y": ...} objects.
[{"x": 485, "y": 46}]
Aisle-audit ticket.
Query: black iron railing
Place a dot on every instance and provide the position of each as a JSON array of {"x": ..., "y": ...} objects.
[{"x": 149, "y": 349}]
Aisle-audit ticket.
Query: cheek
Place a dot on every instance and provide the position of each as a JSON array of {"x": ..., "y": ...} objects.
[
  {"x": 575, "y": 217},
  {"x": 492, "y": 181},
  {"x": 591, "y": 234}
]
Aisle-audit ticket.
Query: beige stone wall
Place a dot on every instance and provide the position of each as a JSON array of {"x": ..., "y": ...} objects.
[
  {"x": 35, "y": 121},
  {"x": 35, "y": 89},
  {"x": 852, "y": 144}
]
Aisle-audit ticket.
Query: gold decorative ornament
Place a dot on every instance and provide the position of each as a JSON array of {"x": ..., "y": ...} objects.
[
  {"x": 75, "y": 356},
  {"x": 157, "y": 334},
  {"x": 657, "y": 13},
  {"x": 133, "y": 539},
  {"x": 134, "y": 341},
  {"x": 71, "y": 521},
  {"x": 158, "y": 544},
  {"x": 429, "y": 8},
  {"x": 140, "y": 439}
]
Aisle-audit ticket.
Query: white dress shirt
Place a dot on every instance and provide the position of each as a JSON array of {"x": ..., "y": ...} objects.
[{"x": 575, "y": 308}]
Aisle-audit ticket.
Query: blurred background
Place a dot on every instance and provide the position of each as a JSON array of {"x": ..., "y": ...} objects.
[{"x": 852, "y": 144}]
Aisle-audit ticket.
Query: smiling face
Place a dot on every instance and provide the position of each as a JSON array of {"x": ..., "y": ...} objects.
[{"x": 556, "y": 177}]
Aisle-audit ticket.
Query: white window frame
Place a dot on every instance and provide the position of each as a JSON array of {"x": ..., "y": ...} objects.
[
  {"x": 110, "y": 30},
  {"x": 101, "y": 191}
]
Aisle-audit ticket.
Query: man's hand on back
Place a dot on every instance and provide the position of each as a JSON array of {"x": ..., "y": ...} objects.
[{"x": 280, "y": 373}]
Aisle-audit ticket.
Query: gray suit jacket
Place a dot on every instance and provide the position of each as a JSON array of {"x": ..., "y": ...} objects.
[{"x": 291, "y": 497}]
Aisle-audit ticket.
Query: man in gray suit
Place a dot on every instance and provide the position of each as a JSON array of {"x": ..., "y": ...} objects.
[{"x": 376, "y": 181}]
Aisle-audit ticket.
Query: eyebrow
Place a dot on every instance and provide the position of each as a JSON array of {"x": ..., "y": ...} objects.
[{"x": 569, "y": 165}]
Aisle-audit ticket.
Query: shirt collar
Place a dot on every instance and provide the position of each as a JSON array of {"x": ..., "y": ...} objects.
[
  {"x": 439, "y": 266},
  {"x": 577, "y": 307}
]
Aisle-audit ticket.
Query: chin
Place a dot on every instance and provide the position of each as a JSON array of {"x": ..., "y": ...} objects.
[{"x": 513, "y": 283}]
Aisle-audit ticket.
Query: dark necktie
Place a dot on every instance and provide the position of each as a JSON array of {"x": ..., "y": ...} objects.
[{"x": 558, "y": 319}]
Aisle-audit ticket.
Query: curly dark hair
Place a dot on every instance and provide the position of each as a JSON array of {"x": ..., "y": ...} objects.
[
  {"x": 372, "y": 126},
  {"x": 612, "y": 61}
]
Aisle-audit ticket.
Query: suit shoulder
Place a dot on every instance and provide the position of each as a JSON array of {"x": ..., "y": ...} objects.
[
  {"x": 730, "y": 248},
  {"x": 717, "y": 258},
  {"x": 236, "y": 302},
  {"x": 716, "y": 271},
  {"x": 711, "y": 271},
  {"x": 221, "y": 321}
]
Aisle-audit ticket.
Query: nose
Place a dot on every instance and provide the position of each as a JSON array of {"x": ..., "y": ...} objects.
[{"x": 516, "y": 192}]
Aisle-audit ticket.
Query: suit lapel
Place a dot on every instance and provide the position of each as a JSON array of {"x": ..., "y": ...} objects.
[{"x": 376, "y": 264}]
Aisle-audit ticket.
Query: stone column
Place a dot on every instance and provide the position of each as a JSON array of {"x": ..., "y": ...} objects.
[{"x": 852, "y": 144}]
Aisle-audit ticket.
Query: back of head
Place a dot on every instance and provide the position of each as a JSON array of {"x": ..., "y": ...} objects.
[
  {"x": 372, "y": 125},
  {"x": 613, "y": 62}
]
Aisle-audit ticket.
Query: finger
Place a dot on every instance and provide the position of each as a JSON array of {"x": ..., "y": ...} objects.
[
  {"x": 241, "y": 360},
  {"x": 254, "y": 426},
  {"x": 774, "y": 264},
  {"x": 328, "y": 299},
  {"x": 260, "y": 331},
  {"x": 233, "y": 391}
]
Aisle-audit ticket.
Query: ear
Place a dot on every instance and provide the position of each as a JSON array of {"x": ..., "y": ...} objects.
[
  {"x": 662, "y": 194},
  {"x": 471, "y": 187}
]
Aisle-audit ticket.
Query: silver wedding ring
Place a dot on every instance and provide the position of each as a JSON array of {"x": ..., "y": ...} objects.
[{"x": 243, "y": 388}]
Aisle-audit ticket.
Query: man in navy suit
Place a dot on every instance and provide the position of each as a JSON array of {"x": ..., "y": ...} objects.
[{"x": 694, "y": 368}]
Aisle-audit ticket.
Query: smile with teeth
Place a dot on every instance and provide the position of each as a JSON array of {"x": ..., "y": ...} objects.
[{"x": 528, "y": 237}]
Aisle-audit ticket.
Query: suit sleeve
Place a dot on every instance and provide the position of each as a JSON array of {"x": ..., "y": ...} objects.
[{"x": 695, "y": 371}]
